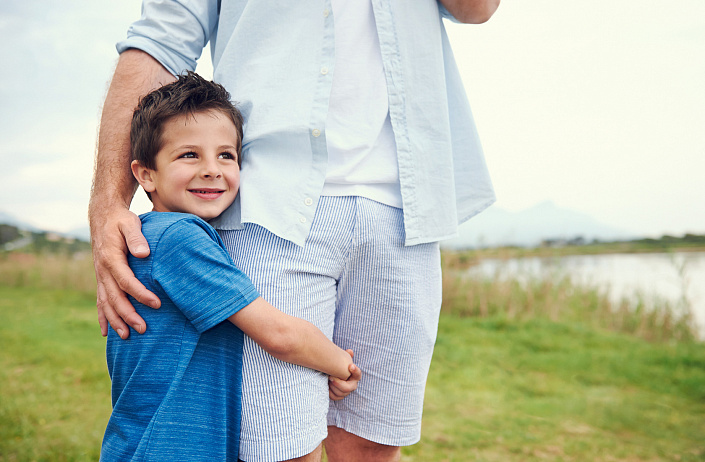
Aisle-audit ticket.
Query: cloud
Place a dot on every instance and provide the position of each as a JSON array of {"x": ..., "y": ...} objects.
[
  {"x": 59, "y": 62},
  {"x": 595, "y": 105}
]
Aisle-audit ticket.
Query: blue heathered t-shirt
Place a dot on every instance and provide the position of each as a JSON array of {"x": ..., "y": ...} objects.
[{"x": 176, "y": 389}]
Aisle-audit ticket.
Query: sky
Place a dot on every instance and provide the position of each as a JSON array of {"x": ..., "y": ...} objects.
[{"x": 598, "y": 107}]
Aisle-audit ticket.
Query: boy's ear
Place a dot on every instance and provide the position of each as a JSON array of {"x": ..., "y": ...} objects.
[{"x": 143, "y": 175}]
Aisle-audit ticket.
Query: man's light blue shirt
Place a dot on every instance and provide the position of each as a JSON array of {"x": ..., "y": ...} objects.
[{"x": 277, "y": 59}]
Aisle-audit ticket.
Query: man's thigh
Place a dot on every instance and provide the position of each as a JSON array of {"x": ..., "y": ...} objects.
[{"x": 388, "y": 302}]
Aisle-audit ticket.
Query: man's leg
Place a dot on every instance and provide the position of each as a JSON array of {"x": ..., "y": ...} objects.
[
  {"x": 342, "y": 446},
  {"x": 315, "y": 456},
  {"x": 387, "y": 307}
]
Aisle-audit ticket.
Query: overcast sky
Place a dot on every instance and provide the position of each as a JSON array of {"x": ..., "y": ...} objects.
[{"x": 597, "y": 106}]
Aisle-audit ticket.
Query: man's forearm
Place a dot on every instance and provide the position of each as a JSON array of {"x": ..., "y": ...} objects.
[
  {"x": 471, "y": 11},
  {"x": 136, "y": 74}
]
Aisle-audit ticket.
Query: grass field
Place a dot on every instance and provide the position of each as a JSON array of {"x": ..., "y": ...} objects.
[{"x": 520, "y": 378}]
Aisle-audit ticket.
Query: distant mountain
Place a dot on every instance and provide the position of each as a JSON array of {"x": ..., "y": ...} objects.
[
  {"x": 82, "y": 233},
  {"x": 6, "y": 218},
  {"x": 527, "y": 228}
]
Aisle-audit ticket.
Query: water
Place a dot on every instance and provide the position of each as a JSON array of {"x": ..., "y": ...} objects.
[{"x": 672, "y": 277}]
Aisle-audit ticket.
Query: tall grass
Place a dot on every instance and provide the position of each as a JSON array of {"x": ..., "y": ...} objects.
[
  {"x": 48, "y": 271},
  {"x": 554, "y": 297},
  {"x": 557, "y": 298}
]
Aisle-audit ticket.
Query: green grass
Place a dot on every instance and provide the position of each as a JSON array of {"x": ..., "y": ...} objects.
[
  {"x": 54, "y": 385},
  {"x": 537, "y": 372},
  {"x": 539, "y": 390}
]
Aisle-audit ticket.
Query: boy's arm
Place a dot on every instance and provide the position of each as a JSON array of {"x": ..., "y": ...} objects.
[
  {"x": 291, "y": 339},
  {"x": 114, "y": 229}
]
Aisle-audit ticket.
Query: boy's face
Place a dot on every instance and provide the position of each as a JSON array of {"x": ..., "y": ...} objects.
[{"x": 196, "y": 168}]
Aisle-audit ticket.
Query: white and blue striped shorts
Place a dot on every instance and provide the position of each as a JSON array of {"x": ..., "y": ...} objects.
[{"x": 363, "y": 288}]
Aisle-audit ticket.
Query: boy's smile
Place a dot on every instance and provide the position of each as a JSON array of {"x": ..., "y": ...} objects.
[{"x": 197, "y": 166}]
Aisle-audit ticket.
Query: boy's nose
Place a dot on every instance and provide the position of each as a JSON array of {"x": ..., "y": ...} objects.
[{"x": 211, "y": 170}]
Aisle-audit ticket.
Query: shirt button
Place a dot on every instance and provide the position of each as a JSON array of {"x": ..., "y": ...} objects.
[
  {"x": 302, "y": 219},
  {"x": 316, "y": 132},
  {"x": 324, "y": 70},
  {"x": 326, "y": 12},
  {"x": 308, "y": 201}
]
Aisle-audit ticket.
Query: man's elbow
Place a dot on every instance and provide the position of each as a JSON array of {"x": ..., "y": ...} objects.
[{"x": 474, "y": 12}]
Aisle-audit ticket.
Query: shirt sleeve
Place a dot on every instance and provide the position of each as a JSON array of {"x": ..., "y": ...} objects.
[
  {"x": 174, "y": 32},
  {"x": 198, "y": 275},
  {"x": 445, "y": 13}
]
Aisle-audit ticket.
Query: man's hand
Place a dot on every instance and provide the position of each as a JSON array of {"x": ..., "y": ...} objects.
[
  {"x": 339, "y": 389},
  {"x": 114, "y": 229},
  {"x": 113, "y": 233}
]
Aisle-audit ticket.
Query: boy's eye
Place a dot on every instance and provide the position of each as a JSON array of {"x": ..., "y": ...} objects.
[
  {"x": 188, "y": 155},
  {"x": 227, "y": 155}
]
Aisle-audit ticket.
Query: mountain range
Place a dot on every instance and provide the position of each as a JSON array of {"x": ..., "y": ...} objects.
[
  {"x": 83, "y": 233},
  {"x": 530, "y": 227}
]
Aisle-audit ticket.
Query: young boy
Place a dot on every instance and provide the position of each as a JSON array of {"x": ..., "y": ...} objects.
[{"x": 176, "y": 389}]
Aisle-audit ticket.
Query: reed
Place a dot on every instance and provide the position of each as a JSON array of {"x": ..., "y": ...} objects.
[
  {"x": 552, "y": 296},
  {"x": 48, "y": 271},
  {"x": 557, "y": 298}
]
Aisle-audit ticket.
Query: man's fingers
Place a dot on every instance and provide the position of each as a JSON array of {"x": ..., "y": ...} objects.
[
  {"x": 127, "y": 282},
  {"x": 114, "y": 233},
  {"x": 106, "y": 311},
  {"x": 136, "y": 243},
  {"x": 113, "y": 302},
  {"x": 102, "y": 320}
]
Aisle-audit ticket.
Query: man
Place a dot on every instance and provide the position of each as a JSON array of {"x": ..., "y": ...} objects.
[{"x": 360, "y": 154}]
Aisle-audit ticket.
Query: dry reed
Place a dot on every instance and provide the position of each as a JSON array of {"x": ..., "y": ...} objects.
[
  {"x": 557, "y": 298},
  {"x": 48, "y": 271}
]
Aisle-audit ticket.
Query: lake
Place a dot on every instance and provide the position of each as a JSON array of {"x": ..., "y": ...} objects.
[{"x": 673, "y": 277}]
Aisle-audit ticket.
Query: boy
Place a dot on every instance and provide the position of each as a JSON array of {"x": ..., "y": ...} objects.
[{"x": 176, "y": 389}]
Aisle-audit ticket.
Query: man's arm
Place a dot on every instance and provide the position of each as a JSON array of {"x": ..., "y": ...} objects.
[
  {"x": 114, "y": 229},
  {"x": 471, "y": 11},
  {"x": 291, "y": 339}
]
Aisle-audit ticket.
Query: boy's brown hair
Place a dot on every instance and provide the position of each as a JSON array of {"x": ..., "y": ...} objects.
[{"x": 189, "y": 94}]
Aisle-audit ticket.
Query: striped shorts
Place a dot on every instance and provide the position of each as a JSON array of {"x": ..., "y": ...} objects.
[{"x": 365, "y": 290}]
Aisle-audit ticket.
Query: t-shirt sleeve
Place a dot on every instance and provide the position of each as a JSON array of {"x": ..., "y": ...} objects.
[
  {"x": 173, "y": 32},
  {"x": 197, "y": 274}
]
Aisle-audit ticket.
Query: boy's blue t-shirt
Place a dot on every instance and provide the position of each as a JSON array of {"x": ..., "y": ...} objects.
[{"x": 176, "y": 389}]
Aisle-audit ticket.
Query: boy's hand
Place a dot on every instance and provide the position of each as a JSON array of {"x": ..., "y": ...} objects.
[
  {"x": 339, "y": 389},
  {"x": 113, "y": 233}
]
